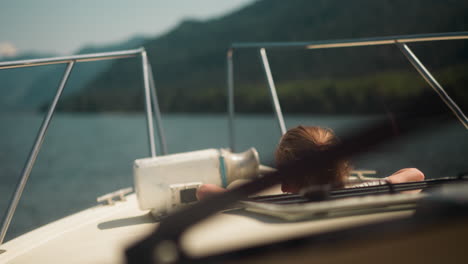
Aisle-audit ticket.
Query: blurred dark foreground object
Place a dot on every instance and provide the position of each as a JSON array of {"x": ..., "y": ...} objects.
[{"x": 437, "y": 233}]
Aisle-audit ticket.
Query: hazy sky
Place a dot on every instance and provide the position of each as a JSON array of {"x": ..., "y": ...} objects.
[{"x": 63, "y": 26}]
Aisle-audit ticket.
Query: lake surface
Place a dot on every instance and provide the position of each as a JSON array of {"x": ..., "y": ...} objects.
[{"x": 85, "y": 156}]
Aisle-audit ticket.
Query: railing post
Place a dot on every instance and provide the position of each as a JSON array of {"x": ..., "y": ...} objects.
[
  {"x": 33, "y": 154},
  {"x": 433, "y": 83},
  {"x": 157, "y": 112},
  {"x": 273, "y": 94},
  {"x": 230, "y": 86},
  {"x": 149, "y": 114}
]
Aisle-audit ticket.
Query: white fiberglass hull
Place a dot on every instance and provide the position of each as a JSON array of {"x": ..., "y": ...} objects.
[{"x": 102, "y": 233}]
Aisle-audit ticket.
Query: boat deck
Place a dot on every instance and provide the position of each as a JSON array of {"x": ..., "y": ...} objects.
[{"x": 101, "y": 234}]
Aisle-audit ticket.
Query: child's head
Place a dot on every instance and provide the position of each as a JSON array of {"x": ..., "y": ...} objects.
[{"x": 300, "y": 141}]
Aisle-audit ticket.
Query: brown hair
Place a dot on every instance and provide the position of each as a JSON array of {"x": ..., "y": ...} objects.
[{"x": 304, "y": 140}]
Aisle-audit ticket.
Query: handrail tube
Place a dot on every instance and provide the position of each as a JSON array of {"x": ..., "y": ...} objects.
[
  {"x": 354, "y": 42},
  {"x": 75, "y": 58},
  {"x": 157, "y": 111},
  {"x": 273, "y": 94},
  {"x": 433, "y": 83},
  {"x": 398, "y": 40},
  {"x": 149, "y": 115},
  {"x": 33, "y": 154},
  {"x": 71, "y": 60},
  {"x": 230, "y": 85}
]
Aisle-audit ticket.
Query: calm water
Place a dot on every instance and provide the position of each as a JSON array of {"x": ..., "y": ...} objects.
[{"x": 85, "y": 156}]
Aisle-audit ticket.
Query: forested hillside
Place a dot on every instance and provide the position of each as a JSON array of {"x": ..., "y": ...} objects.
[{"x": 189, "y": 62}]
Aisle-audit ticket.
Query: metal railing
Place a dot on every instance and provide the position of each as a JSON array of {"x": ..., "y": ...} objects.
[
  {"x": 151, "y": 104},
  {"x": 399, "y": 41}
]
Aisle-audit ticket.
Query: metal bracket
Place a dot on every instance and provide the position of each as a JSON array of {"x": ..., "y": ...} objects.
[{"x": 120, "y": 194}]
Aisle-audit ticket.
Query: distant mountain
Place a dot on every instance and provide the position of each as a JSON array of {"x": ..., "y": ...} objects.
[
  {"x": 31, "y": 88},
  {"x": 133, "y": 42},
  {"x": 189, "y": 61},
  {"x": 15, "y": 83}
]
